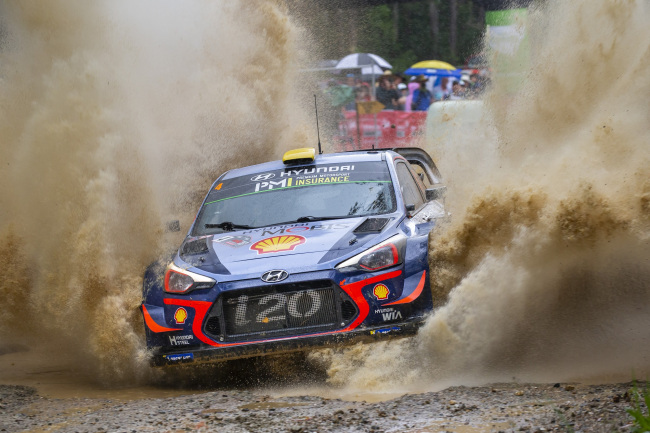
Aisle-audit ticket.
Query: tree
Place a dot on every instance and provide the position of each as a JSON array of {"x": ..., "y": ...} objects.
[{"x": 403, "y": 32}]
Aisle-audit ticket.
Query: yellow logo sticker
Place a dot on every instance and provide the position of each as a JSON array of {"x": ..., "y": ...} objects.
[
  {"x": 381, "y": 292},
  {"x": 277, "y": 244},
  {"x": 180, "y": 316}
]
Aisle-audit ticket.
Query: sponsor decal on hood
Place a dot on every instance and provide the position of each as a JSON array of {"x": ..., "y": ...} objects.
[
  {"x": 300, "y": 238},
  {"x": 277, "y": 244}
]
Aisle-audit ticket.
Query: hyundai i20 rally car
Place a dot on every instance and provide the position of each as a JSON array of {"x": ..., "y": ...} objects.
[{"x": 296, "y": 254}]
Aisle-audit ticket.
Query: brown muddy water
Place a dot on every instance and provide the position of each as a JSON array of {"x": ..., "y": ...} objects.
[{"x": 117, "y": 115}]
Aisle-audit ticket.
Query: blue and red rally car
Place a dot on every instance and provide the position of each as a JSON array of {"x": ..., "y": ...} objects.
[{"x": 296, "y": 254}]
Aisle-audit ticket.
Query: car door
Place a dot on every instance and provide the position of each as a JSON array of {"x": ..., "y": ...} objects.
[
  {"x": 421, "y": 218},
  {"x": 420, "y": 211}
]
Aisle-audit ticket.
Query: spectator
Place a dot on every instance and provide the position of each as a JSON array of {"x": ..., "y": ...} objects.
[
  {"x": 403, "y": 91},
  {"x": 397, "y": 80},
  {"x": 387, "y": 94},
  {"x": 473, "y": 82},
  {"x": 475, "y": 86},
  {"x": 412, "y": 87},
  {"x": 362, "y": 94},
  {"x": 339, "y": 95},
  {"x": 457, "y": 91},
  {"x": 421, "y": 96},
  {"x": 350, "y": 80},
  {"x": 441, "y": 91}
]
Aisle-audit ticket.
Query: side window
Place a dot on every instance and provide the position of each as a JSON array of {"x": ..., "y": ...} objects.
[
  {"x": 410, "y": 191},
  {"x": 419, "y": 171}
]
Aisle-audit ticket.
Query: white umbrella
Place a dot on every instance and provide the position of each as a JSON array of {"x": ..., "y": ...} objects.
[
  {"x": 358, "y": 60},
  {"x": 369, "y": 64},
  {"x": 371, "y": 70}
]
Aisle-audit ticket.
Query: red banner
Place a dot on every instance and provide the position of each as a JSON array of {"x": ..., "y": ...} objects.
[{"x": 387, "y": 128}]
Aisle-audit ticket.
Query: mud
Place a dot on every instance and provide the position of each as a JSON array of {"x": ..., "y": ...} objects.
[
  {"x": 115, "y": 117},
  {"x": 49, "y": 396},
  {"x": 544, "y": 262},
  {"x": 511, "y": 407}
]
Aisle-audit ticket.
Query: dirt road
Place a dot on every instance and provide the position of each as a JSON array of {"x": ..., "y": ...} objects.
[
  {"x": 40, "y": 393},
  {"x": 498, "y": 407}
]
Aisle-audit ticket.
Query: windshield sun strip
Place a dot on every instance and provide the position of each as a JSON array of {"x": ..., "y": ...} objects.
[{"x": 297, "y": 186}]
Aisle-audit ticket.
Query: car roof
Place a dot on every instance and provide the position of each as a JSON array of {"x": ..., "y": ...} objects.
[{"x": 326, "y": 158}]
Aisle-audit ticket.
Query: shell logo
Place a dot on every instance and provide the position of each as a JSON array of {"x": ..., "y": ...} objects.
[
  {"x": 381, "y": 292},
  {"x": 277, "y": 244},
  {"x": 180, "y": 316}
]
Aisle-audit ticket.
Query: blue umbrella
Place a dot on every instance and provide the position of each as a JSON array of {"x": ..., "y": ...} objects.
[{"x": 433, "y": 68}]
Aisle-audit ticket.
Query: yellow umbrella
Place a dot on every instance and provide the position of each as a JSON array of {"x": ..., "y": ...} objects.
[
  {"x": 432, "y": 64},
  {"x": 433, "y": 68}
]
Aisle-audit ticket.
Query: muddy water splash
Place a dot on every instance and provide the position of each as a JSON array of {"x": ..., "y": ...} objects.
[
  {"x": 547, "y": 258},
  {"x": 115, "y": 117}
]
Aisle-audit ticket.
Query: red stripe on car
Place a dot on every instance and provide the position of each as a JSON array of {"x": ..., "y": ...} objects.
[
  {"x": 413, "y": 296},
  {"x": 151, "y": 324}
]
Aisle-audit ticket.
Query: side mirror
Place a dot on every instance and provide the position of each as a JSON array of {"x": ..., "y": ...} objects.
[
  {"x": 435, "y": 193},
  {"x": 173, "y": 226}
]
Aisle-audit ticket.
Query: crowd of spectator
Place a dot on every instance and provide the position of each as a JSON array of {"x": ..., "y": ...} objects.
[{"x": 396, "y": 92}]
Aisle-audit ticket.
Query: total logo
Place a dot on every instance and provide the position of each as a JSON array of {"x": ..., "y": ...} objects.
[
  {"x": 381, "y": 292},
  {"x": 277, "y": 244}
]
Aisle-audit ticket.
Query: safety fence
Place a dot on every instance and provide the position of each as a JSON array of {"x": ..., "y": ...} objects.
[{"x": 388, "y": 128}]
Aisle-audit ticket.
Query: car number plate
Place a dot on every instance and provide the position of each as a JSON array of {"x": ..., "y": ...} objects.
[{"x": 277, "y": 311}]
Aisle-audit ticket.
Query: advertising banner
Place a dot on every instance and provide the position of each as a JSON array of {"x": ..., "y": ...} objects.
[{"x": 384, "y": 129}]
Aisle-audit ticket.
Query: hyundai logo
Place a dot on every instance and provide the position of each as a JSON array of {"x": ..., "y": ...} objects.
[
  {"x": 274, "y": 276},
  {"x": 265, "y": 176}
]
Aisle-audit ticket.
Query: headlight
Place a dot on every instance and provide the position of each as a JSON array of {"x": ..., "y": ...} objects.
[
  {"x": 178, "y": 280},
  {"x": 379, "y": 258},
  {"x": 384, "y": 255}
]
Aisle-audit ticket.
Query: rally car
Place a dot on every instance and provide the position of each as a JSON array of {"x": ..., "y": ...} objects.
[{"x": 299, "y": 253}]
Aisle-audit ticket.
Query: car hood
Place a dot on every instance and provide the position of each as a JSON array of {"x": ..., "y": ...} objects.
[
  {"x": 288, "y": 246},
  {"x": 282, "y": 241}
]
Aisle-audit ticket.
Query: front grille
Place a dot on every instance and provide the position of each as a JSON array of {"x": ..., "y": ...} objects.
[
  {"x": 213, "y": 325},
  {"x": 348, "y": 310},
  {"x": 278, "y": 310}
]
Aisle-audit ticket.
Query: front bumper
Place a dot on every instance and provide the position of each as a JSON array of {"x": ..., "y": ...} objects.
[
  {"x": 300, "y": 343},
  {"x": 211, "y": 325}
]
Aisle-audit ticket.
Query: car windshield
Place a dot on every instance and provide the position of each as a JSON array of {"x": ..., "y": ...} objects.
[{"x": 366, "y": 189}]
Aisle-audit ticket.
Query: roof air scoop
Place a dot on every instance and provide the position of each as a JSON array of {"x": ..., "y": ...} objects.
[{"x": 372, "y": 225}]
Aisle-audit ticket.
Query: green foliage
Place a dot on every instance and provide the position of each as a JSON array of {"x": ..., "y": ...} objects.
[
  {"x": 402, "y": 33},
  {"x": 641, "y": 420},
  {"x": 416, "y": 40},
  {"x": 568, "y": 426}
]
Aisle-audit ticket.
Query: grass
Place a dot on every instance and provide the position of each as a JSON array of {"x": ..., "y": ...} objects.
[
  {"x": 641, "y": 419},
  {"x": 568, "y": 426}
]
